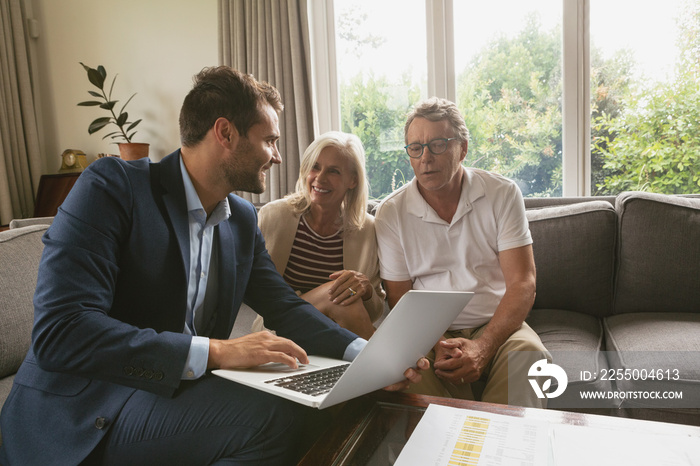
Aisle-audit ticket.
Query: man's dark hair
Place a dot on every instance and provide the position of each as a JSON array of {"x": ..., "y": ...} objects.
[{"x": 224, "y": 92}]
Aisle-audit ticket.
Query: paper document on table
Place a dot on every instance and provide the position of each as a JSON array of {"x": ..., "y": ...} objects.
[
  {"x": 613, "y": 447},
  {"x": 447, "y": 436}
]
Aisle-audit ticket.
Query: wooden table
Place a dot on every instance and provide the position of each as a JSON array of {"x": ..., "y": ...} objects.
[{"x": 374, "y": 428}]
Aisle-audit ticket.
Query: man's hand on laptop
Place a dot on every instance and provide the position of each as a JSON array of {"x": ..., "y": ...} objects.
[
  {"x": 412, "y": 375},
  {"x": 253, "y": 350}
]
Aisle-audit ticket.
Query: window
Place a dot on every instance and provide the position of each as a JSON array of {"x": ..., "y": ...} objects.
[
  {"x": 382, "y": 72},
  {"x": 509, "y": 89},
  {"x": 645, "y": 97},
  {"x": 566, "y": 97}
]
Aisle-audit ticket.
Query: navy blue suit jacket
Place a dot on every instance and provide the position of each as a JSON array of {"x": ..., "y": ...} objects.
[{"x": 110, "y": 306}]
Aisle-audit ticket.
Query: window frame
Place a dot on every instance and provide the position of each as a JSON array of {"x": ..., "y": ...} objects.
[{"x": 576, "y": 125}]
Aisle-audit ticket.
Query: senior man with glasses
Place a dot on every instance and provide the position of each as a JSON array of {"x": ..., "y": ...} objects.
[{"x": 459, "y": 228}]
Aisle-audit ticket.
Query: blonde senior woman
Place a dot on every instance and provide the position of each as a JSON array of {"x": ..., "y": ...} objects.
[{"x": 322, "y": 239}]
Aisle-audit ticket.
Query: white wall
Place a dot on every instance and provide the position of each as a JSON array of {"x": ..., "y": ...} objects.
[{"x": 155, "y": 46}]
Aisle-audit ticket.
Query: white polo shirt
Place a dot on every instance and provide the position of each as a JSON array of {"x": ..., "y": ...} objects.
[{"x": 416, "y": 244}]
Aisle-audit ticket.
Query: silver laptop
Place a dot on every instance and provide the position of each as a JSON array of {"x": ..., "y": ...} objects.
[{"x": 407, "y": 334}]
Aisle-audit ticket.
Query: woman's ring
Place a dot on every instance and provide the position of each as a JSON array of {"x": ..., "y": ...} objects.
[
  {"x": 462, "y": 380},
  {"x": 352, "y": 292}
]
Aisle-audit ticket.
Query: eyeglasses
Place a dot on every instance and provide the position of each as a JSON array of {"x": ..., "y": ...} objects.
[{"x": 436, "y": 147}]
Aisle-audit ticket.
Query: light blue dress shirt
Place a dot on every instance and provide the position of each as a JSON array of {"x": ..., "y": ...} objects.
[{"x": 201, "y": 232}]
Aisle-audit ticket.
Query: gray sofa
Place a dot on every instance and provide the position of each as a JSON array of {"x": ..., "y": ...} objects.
[
  {"x": 20, "y": 251},
  {"x": 613, "y": 275},
  {"x": 619, "y": 278}
]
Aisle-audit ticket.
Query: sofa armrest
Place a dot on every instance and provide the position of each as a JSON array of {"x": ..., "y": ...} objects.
[{"x": 25, "y": 222}]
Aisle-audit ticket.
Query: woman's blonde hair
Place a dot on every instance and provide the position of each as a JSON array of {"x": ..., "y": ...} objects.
[{"x": 354, "y": 207}]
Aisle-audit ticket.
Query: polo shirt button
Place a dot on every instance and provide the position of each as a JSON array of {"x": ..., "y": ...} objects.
[
  {"x": 190, "y": 374},
  {"x": 100, "y": 423}
]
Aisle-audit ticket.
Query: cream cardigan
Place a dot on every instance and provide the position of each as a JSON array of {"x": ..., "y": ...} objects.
[{"x": 279, "y": 223}]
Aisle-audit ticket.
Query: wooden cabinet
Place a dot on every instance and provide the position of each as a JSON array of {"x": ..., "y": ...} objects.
[{"x": 52, "y": 191}]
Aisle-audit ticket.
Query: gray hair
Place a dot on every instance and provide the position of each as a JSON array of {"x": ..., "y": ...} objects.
[{"x": 437, "y": 109}]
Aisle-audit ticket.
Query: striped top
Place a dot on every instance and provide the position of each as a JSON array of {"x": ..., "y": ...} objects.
[{"x": 313, "y": 258}]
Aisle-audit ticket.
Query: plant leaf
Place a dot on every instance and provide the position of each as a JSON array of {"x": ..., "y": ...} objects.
[
  {"x": 133, "y": 125},
  {"x": 101, "y": 120},
  {"x": 112, "y": 86},
  {"x": 122, "y": 119},
  {"x": 95, "y": 94},
  {"x": 102, "y": 71},
  {"x": 127, "y": 103},
  {"x": 96, "y": 78},
  {"x": 131, "y": 136},
  {"x": 89, "y": 103},
  {"x": 112, "y": 134},
  {"x": 109, "y": 105},
  {"x": 98, "y": 124}
]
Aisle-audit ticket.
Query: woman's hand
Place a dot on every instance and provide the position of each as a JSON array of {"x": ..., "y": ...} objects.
[{"x": 349, "y": 286}]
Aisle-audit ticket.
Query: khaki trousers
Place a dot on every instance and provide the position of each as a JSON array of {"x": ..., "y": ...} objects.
[{"x": 493, "y": 387}]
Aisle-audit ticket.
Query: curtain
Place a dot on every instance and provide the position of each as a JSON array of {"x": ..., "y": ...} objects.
[
  {"x": 20, "y": 159},
  {"x": 270, "y": 40}
]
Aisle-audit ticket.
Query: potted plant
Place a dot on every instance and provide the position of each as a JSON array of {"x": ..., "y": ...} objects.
[{"x": 125, "y": 129}]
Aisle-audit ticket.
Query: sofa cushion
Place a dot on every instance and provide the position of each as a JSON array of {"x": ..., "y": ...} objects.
[
  {"x": 656, "y": 341},
  {"x": 20, "y": 250},
  {"x": 562, "y": 330},
  {"x": 659, "y": 253},
  {"x": 574, "y": 249},
  {"x": 653, "y": 331},
  {"x": 575, "y": 341}
]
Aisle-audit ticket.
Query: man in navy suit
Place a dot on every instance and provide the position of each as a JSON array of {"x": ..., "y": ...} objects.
[{"x": 143, "y": 271}]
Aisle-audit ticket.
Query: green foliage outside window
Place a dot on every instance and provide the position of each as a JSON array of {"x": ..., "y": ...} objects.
[
  {"x": 643, "y": 137},
  {"x": 367, "y": 110},
  {"x": 654, "y": 144},
  {"x": 511, "y": 101}
]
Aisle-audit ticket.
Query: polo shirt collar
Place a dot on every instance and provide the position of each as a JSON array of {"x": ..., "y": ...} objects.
[{"x": 472, "y": 189}]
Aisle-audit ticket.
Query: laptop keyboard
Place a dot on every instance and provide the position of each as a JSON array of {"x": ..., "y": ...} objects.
[{"x": 311, "y": 383}]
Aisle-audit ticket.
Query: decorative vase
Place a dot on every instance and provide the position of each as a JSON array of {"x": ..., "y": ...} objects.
[{"x": 133, "y": 150}]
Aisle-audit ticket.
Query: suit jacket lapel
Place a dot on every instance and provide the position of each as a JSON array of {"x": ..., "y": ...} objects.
[
  {"x": 176, "y": 206},
  {"x": 176, "y": 203}
]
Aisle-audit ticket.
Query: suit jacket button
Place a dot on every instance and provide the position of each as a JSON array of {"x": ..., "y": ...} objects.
[
  {"x": 128, "y": 370},
  {"x": 158, "y": 375},
  {"x": 148, "y": 374},
  {"x": 100, "y": 423}
]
